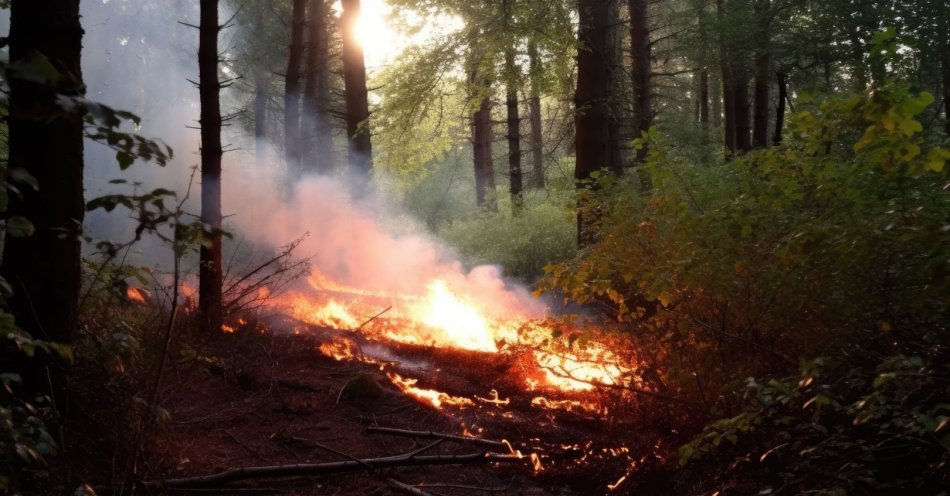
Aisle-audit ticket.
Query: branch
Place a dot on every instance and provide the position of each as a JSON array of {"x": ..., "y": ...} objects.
[
  {"x": 437, "y": 435},
  {"x": 406, "y": 488},
  {"x": 274, "y": 471}
]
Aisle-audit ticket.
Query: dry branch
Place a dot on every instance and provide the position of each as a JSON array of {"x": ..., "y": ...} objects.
[
  {"x": 406, "y": 488},
  {"x": 437, "y": 435},
  {"x": 276, "y": 471}
]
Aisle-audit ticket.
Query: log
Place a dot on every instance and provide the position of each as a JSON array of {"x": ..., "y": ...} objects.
[
  {"x": 275, "y": 471},
  {"x": 438, "y": 435}
]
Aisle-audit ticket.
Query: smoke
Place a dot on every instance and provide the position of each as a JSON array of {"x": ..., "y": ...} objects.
[{"x": 138, "y": 56}]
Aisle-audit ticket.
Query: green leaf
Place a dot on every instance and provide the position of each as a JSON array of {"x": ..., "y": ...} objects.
[{"x": 20, "y": 227}]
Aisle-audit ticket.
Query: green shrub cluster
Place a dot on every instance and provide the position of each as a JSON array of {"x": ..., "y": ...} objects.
[{"x": 830, "y": 249}]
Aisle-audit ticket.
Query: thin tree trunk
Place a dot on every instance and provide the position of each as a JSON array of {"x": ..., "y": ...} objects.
[
  {"x": 946, "y": 90},
  {"x": 591, "y": 98},
  {"x": 641, "y": 72},
  {"x": 261, "y": 95},
  {"x": 715, "y": 99},
  {"x": 760, "y": 126},
  {"x": 704, "y": 97},
  {"x": 534, "y": 107},
  {"x": 728, "y": 98},
  {"x": 318, "y": 131},
  {"x": 482, "y": 151},
  {"x": 360, "y": 151},
  {"x": 514, "y": 134},
  {"x": 740, "y": 102},
  {"x": 46, "y": 140},
  {"x": 615, "y": 106},
  {"x": 292, "y": 87},
  {"x": 780, "y": 110},
  {"x": 210, "y": 272}
]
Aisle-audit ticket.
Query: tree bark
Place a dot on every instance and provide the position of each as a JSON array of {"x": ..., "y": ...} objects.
[
  {"x": 359, "y": 150},
  {"x": 292, "y": 87},
  {"x": 591, "y": 99},
  {"x": 514, "y": 134},
  {"x": 780, "y": 110},
  {"x": 946, "y": 90},
  {"x": 482, "y": 150},
  {"x": 261, "y": 95},
  {"x": 641, "y": 72},
  {"x": 210, "y": 271},
  {"x": 45, "y": 140},
  {"x": 317, "y": 126},
  {"x": 760, "y": 126},
  {"x": 740, "y": 102},
  {"x": 534, "y": 107},
  {"x": 704, "y": 97}
]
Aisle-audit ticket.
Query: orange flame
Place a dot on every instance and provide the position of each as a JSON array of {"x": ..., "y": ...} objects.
[
  {"x": 135, "y": 294},
  {"x": 431, "y": 396}
]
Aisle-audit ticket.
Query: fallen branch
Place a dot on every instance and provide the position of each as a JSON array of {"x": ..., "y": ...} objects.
[
  {"x": 437, "y": 435},
  {"x": 275, "y": 471},
  {"x": 374, "y": 317},
  {"x": 406, "y": 488}
]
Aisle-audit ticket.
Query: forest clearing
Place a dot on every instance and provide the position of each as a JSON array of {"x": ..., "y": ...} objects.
[{"x": 481, "y": 247}]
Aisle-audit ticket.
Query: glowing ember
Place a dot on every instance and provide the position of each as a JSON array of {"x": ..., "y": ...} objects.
[
  {"x": 431, "y": 396},
  {"x": 569, "y": 405},
  {"x": 494, "y": 399},
  {"x": 227, "y": 329}
]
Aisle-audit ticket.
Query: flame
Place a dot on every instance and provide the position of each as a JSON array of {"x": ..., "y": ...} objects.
[
  {"x": 227, "y": 329},
  {"x": 448, "y": 315},
  {"x": 135, "y": 294},
  {"x": 341, "y": 350},
  {"x": 569, "y": 405},
  {"x": 431, "y": 396}
]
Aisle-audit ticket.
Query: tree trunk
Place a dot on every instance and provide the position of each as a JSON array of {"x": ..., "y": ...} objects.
[
  {"x": 209, "y": 275},
  {"x": 591, "y": 98},
  {"x": 729, "y": 109},
  {"x": 261, "y": 94},
  {"x": 46, "y": 140},
  {"x": 946, "y": 90},
  {"x": 292, "y": 88},
  {"x": 780, "y": 111},
  {"x": 360, "y": 151},
  {"x": 760, "y": 126},
  {"x": 641, "y": 72},
  {"x": 715, "y": 99},
  {"x": 317, "y": 127},
  {"x": 704, "y": 97},
  {"x": 703, "y": 92},
  {"x": 615, "y": 105},
  {"x": 514, "y": 134},
  {"x": 534, "y": 106},
  {"x": 482, "y": 150},
  {"x": 740, "y": 102}
]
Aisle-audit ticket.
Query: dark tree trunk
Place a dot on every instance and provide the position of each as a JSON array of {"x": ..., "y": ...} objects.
[
  {"x": 482, "y": 151},
  {"x": 292, "y": 87},
  {"x": 591, "y": 98},
  {"x": 740, "y": 102},
  {"x": 760, "y": 126},
  {"x": 728, "y": 100},
  {"x": 209, "y": 275},
  {"x": 780, "y": 110},
  {"x": 534, "y": 107},
  {"x": 946, "y": 90},
  {"x": 704, "y": 97},
  {"x": 46, "y": 140},
  {"x": 261, "y": 94},
  {"x": 715, "y": 99},
  {"x": 615, "y": 85},
  {"x": 514, "y": 134},
  {"x": 641, "y": 72},
  {"x": 360, "y": 151},
  {"x": 317, "y": 144}
]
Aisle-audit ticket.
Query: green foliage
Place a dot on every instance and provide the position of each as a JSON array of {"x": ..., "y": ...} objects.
[
  {"x": 832, "y": 245},
  {"x": 523, "y": 245}
]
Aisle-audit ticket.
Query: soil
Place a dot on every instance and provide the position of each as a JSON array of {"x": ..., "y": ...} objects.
[{"x": 262, "y": 399}]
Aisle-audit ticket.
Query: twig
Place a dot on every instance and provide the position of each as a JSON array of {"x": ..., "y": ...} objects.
[
  {"x": 467, "y": 488},
  {"x": 241, "y": 443},
  {"x": 406, "y": 488},
  {"x": 373, "y": 318},
  {"x": 427, "y": 447},
  {"x": 275, "y": 471},
  {"x": 436, "y": 435},
  {"x": 315, "y": 444}
]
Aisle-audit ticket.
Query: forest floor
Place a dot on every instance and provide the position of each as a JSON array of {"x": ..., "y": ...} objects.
[{"x": 251, "y": 399}]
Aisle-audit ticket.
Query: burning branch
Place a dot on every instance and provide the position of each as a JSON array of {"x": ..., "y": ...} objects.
[{"x": 303, "y": 469}]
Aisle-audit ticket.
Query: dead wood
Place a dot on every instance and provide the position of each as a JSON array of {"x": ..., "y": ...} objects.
[
  {"x": 277, "y": 471},
  {"x": 406, "y": 488},
  {"x": 374, "y": 317},
  {"x": 438, "y": 435}
]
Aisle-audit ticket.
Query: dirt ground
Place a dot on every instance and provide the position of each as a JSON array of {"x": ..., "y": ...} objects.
[{"x": 250, "y": 399}]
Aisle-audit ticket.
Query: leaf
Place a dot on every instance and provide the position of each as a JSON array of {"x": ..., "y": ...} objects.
[{"x": 20, "y": 227}]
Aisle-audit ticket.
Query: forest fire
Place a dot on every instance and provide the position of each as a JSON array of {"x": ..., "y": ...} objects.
[{"x": 446, "y": 317}]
